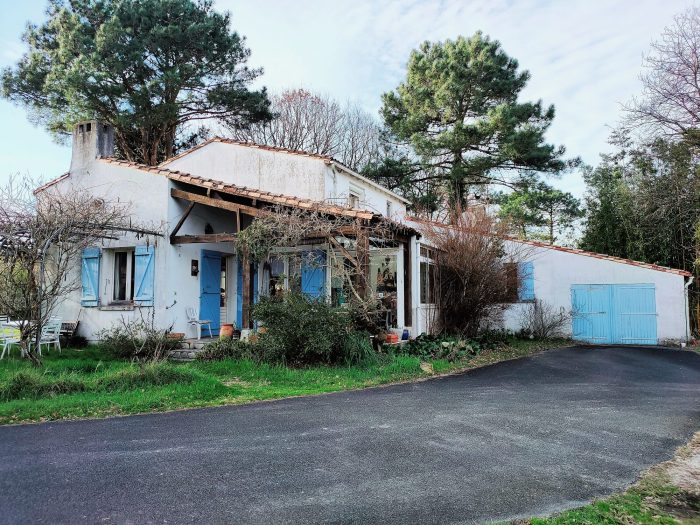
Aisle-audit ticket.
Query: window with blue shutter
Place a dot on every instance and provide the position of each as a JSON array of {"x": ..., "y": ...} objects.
[
  {"x": 144, "y": 275},
  {"x": 90, "y": 276},
  {"x": 526, "y": 290},
  {"x": 313, "y": 274}
]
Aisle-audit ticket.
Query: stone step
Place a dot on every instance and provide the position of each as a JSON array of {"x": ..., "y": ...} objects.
[{"x": 183, "y": 354}]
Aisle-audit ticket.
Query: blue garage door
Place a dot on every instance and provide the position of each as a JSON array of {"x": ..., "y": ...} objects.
[{"x": 614, "y": 313}]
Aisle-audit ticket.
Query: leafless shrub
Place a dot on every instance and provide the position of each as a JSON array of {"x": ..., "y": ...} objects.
[
  {"x": 41, "y": 241},
  {"x": 472, "y": 280},
  {"x": 542, "y": 320},
  {"x": 138, "y": 339},
  {"x": 317, "y": 124}
]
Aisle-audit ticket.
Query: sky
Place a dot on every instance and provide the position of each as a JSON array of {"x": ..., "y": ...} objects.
[{"x": 584, "y": 56}]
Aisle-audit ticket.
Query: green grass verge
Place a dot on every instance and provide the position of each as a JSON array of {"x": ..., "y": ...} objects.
[{"x": 89, "y": 383}]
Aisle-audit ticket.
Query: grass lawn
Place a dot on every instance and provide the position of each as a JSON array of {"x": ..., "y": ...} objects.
[
  {"x": 89, "y": 383},
  {"x": 666, "y": 494}
]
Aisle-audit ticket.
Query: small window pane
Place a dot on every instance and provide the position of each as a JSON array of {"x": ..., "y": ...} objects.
[{"x": 120, "y": 276}]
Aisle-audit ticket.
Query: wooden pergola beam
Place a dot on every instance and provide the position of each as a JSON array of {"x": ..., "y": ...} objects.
[
  {"x": 214, "y": 203},
  {"x": 204, "y": 237},
  {"x": 182, "y": 220}
]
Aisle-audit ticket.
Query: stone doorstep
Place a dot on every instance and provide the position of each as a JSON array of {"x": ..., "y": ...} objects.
[{"x": 184, "y": 354}]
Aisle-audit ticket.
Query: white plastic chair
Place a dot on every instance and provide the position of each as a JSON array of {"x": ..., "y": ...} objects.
[
  {"x": 50, "y": 334},
  {"x": 198, "y": 323},
  {"x": 9, "y": 335}
]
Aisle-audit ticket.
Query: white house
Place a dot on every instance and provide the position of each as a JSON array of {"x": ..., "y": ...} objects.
[{"x": 202, "y": 198}]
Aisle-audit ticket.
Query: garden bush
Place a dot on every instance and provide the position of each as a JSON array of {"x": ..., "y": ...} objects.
[
  {"x": 451, "y": 348},
  {"x": 357, "y": 349},
  {"x": 300, "y": 330},
  {"x": 227, "y": 348}
]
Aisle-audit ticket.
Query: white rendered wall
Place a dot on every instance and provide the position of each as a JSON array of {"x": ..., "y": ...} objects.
[
  {"x": 288, "y": 174},
  {"x": 555, "y": 271}
]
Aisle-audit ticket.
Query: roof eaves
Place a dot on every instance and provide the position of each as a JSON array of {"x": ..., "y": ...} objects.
[
  {"x": 51, "y": 183},
  {"x": 368, "y": 181},
  {"x": 576, "y": 251}
]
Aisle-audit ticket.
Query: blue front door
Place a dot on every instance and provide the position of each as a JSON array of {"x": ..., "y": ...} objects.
[
  {"x": 614, "y": 313},
  {"x": 210, "y": 289}
]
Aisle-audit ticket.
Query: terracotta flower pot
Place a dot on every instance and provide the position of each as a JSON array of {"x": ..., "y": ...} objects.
[{"x": 226, "y": 331}]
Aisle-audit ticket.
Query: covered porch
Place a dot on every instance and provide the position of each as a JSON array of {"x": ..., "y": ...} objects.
[{"x": 209, "y": 215}]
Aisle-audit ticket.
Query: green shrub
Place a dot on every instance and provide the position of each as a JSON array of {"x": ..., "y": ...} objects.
[
  {"x": 357, "y": 348},
  {"x": 300, "y": 330},
  {"x": 226, "y": 348},
  {"x": 451, "y": 348}
]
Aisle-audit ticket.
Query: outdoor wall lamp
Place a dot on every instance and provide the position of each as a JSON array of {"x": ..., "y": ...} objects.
[{"x": 194, "y": 269}]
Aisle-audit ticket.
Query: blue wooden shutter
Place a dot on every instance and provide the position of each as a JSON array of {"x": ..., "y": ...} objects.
[
  {"x": 144, "y": 275},
  {"x": 90, "y": 275},
  {"x": 526, "y": 291},
  {"x": 313, "y": 274}
]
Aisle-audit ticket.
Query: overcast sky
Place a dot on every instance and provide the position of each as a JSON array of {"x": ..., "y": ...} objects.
[{"x": 584, "y": 57}]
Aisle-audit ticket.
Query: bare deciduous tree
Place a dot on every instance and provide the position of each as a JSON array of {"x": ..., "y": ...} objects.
[
  {"x": 473, "y": 284},
  {"x": 41, "y": 240},
  {"x": 670, "y": 100},
  {"x": 314, "y": 123}
]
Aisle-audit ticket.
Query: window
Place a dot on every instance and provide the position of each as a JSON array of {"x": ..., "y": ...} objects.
[
  {"x": 123, "y": 276},
  {"x": 276, "y": 282},
  {"x": 520, "y": 283},
  {"x": 128, "y": 276},
  {"x": 428, "y": 283},
  {"x": 511, "y": 276},
  {"x": 355, "y": 196}
]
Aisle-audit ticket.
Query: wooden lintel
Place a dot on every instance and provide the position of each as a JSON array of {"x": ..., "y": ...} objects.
[
  {"x": 205, "y": 237},
  {"x": 215, "y": 203}
]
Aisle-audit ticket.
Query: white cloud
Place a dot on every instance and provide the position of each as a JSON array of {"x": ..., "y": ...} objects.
[{"x": 584, "y": 56}]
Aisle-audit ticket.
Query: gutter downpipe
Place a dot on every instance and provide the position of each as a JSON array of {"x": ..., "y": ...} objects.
[{"x": 687, "y": 307}]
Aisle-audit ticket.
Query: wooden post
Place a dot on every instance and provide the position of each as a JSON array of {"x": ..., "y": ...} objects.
[
  {"x": 407, "y": 288},
  {"x": 245, "y": 261},
  {"x": 362, "y": 239}
]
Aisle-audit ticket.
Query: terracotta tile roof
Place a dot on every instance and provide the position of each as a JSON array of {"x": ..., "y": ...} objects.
[
  {"x": 648, "y": 266},
  {"x": 575, "y": 251},
  {"x": 51, "y": 183},
  {"x": 242, "y": 191}
]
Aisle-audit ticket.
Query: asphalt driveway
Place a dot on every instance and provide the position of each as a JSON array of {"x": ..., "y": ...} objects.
[{"x": 521, "y": 438}]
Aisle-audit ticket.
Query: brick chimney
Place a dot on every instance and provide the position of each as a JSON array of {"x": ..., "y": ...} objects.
[{"x": 91, "y": 139}]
